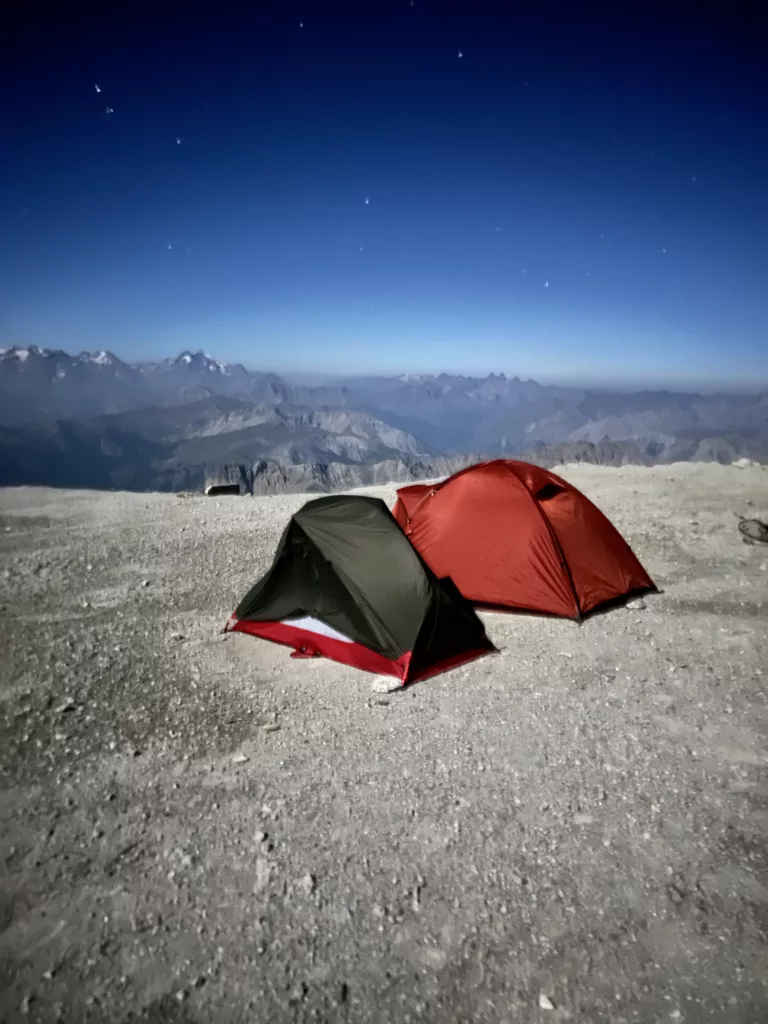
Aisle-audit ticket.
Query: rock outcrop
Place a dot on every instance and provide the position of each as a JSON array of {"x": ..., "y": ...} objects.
[{"x": 228, "y": 479}]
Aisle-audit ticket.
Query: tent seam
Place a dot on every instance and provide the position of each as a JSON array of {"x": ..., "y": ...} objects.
[{"x": 553, "y": 535}]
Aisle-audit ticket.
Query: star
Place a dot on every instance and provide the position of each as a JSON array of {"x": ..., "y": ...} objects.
[
  {"x": 110, "y": 110},
  {"x": 96, "y": 87},
  {"x": 367, "y": 201},
  {"x": 546, "y": 284},
  {"x": 178, "y": 140},
  {"x": 460, "y": 54}
]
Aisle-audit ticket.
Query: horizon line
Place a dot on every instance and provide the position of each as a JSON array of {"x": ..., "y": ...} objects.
[{"x": 617, "y": 382}]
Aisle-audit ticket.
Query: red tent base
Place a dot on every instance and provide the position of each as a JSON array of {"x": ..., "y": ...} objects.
[{"x": 306, "y": 643}]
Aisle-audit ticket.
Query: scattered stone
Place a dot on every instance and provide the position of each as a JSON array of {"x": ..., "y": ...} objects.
[
  {"x": 263, "y": 872},
  {"x": 545, "y": 1003},
  {"x": 583, "y": 819},
  {"x": 67, "y": 705},
  {"x": 260, "y": 837},
  {"x": 240, "y": 758},
  {"x": 271, "y": 727},
  {"x": 145, "y": 583},
  {"x": 300, "y": 993},
  {"x": 637, "y": 604},
  {"x": 386, "y": 684},
  {"x": 181, "y": 995},
  {"x": 177, "y": 636},
  {"x": 308, "y": 884},
  {"x": 416, "y": 898},
  {"x": 675, "y": 894}
]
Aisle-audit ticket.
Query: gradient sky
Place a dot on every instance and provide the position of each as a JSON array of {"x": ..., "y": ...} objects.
[{"x": 581, "y": 195}]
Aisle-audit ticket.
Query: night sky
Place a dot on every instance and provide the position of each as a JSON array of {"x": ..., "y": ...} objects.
[{"x": 565, "y": 191}]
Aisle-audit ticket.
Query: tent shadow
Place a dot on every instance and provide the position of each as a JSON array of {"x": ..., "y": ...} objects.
[
  {"x": 620, "y": 602},
  {"x": 602, "y": 609}
]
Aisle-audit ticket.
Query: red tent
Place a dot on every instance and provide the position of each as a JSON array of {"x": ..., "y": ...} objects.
[{"x": 515, "y": 535}]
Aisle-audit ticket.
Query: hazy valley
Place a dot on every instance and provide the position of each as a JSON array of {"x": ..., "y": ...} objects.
[{"x": 92, "y": 420}]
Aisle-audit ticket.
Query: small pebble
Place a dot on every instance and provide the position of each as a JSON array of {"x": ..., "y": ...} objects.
[
  {"x": 545, "y": 1003},
  {"x": 240, "y": 758}
]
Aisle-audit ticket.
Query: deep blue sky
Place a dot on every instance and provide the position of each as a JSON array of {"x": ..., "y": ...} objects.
[{"x": 583, "y": 194}]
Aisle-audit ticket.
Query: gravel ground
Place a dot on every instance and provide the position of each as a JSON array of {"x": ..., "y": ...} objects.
[{"x": 199, "y": 829}]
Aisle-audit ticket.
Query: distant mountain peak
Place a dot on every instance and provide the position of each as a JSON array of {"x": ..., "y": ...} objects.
[
  {"x": 201, "y": 361},
  {"x": 100, "y": 358},
  {"x": 21, "y": 354}
]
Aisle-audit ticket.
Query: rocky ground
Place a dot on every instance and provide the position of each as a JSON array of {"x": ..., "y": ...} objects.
[{"x": 195, "y": 828}]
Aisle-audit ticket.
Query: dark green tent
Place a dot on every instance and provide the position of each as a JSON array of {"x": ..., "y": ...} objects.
[{"x": 347, "y": 584}]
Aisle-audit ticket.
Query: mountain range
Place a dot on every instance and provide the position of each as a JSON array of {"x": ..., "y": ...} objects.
[{"x": 93, "y": 420}]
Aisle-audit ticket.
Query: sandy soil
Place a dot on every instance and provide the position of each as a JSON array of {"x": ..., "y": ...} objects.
[{"x": 199, "y": 829}]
